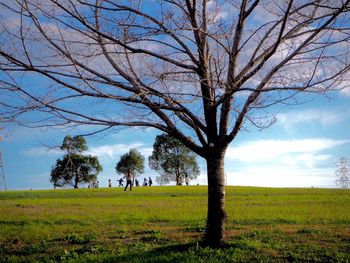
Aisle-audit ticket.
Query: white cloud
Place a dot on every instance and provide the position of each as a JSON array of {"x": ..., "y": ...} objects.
[
  {"x": 115, "y": 150},
  {"x": 102, "y": 151},
  {"x": 218, "y": 11},
  {"x": 325, "y": 118},
  {"x": 307, "y": 159},
  {"x": 304, "y": 151},
  {"x": 282, "y": 163},
  {"x": 281, "y": 176},
  {"x": 346, "y": 91},
  {"x": 42, "y": 151},
  {"x": 344, "y": 87}
]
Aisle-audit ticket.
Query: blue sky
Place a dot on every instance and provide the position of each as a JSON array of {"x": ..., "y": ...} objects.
[{"x": 299, "y": 150}]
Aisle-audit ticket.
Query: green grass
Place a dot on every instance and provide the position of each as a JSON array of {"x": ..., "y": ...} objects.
[{"x": 166, "y": 224}]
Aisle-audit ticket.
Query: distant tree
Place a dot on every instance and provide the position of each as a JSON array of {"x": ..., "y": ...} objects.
[
  {"x": 75, "y": 168},
  {"x": 161, "y": 180},
  {"x": 173, "y": 160},
  {"x": 133, "y": 161},
  {"x": 74, "y": 145}
]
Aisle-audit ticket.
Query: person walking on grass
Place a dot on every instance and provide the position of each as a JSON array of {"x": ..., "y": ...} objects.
[
  {"x": 150, "y": 181},
  {"x": 128, "y": 178},
  {"x": 121, "y": 181},
  {"x": 145, "y": 182}
]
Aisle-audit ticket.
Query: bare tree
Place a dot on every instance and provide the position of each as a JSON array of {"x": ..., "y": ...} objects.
[{"x": 198, "y": 70}]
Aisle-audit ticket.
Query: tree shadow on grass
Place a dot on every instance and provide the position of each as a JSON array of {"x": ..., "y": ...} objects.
[
  {"x": 168, "y": 253},
  {"x": 191, "y": 252}
]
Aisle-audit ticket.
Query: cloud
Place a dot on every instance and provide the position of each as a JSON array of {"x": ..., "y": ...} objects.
[
  {"x": 219, "y": 11},
  {"x": 279, "y": 176},
  {"x": 308, "y": 160},
  {"x": 116, "y": 150},
  {"x": 313, "y": 116},
  {"x": 289, "y": 152},
  {"x": 101, "y": 151},
  {"x": 346, "y": 91},
  {"x": 344, "y": 87},
  {"x": 42, "y": 151}
]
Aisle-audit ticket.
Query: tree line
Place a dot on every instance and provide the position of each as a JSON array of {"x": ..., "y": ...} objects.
[{"x": 170, "y": 158}]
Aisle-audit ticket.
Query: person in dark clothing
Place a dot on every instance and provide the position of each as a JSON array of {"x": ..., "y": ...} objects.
[
  {"x": 128, "y": 178},
  {"x": 150, "y": 181},
  {"x": 144, "y": 182},
  {"x": 121, "y": 181}
]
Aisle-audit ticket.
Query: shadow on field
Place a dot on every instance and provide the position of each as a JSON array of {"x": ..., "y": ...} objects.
[
  {"x": 192, "y": 252},
  {"x": 170, "y": 253}
]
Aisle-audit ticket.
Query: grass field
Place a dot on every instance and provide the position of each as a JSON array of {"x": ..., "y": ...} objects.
[{"x": 165, "y": 224}]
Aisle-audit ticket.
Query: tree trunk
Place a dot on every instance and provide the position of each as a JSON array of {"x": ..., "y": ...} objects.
[
  {"x": 76, "y": 182},
  {"x": 216, "y": 219}
]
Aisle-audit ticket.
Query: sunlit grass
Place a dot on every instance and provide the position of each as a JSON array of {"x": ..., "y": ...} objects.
[{"x": 109, "y": 225}]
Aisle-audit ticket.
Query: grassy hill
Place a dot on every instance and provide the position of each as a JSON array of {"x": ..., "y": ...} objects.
[{"x": 165, "y": 224}]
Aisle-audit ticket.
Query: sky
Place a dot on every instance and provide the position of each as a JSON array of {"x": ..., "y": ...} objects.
[{"x": 299, "y": 150}]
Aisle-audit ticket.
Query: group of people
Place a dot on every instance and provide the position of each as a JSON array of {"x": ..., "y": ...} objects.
[
  {"x": 94, "y": 184},
  {"x": 130, "y": 181},
  {"x": 179, "y": 180},
  {"x": 147, "y": 183}
]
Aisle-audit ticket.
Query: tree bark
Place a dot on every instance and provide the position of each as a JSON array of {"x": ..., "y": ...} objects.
[
  {"x": 76, "y": 182},
  {"x": 216, "y": 219}
]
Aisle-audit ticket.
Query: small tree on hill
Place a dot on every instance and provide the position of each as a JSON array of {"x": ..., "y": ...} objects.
[
  {"x": 133, "y": 161},
  {"x": 74, "y": 145},
  {"x": 75, "y": 168},
  {"x": 173, "y": 160}
]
